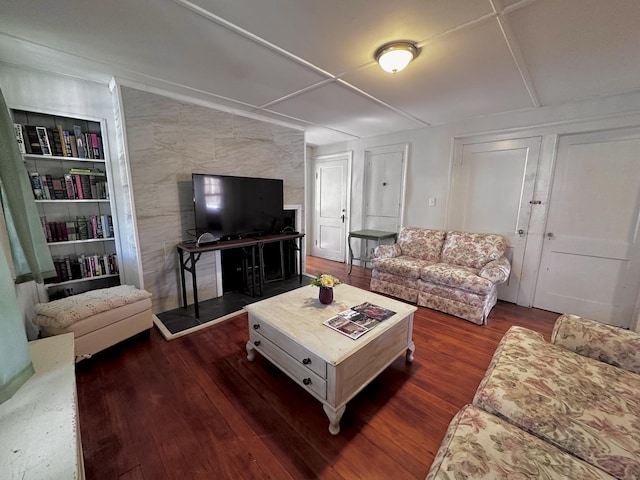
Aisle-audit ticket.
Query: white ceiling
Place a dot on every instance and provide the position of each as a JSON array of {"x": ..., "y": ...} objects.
[{"x": 309, "y": 63}]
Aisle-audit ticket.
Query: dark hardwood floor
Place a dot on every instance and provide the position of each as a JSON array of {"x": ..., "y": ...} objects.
[{"x": 195, "y": 408}]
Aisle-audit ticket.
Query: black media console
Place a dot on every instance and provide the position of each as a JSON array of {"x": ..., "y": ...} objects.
[{"x": 253, "y": 261}]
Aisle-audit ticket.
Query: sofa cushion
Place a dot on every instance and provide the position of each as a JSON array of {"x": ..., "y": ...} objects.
[
  {"x": 387, "y": 251},
  {"x": 403, "y": 266},
  {"x": 585, "y": 407},
  {"x": 421, "y": 243},
  {"x": 615, "y": 346},
  {"x": 479, "y": 446},
  {"x": 464, "y": 278},
  {"x": 473, "y": 250}
]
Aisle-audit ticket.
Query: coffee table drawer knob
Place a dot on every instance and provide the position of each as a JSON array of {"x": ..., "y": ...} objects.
[
  {"x": 306, "y": 361},
  {"x": 257, "y": 343},
  {"x": 306, "y": 381},
  {"x": 256, "y": 326}
]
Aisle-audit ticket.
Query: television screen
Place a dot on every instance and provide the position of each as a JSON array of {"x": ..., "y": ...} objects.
[{"x": 234, "y": 207}]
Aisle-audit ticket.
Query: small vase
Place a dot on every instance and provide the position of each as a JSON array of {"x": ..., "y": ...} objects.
[{"x": 325, "y": 295}]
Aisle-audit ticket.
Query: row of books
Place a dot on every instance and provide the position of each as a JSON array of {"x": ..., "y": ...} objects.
[
  {"x": 78, "y": 184},
  {"x": 84, "y": 266},
  {"x": 58, "y": 141},
  {"x": 82, "y": 228}
]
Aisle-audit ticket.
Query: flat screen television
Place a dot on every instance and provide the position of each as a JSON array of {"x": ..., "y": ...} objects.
[{"x": 230, "y": 207}]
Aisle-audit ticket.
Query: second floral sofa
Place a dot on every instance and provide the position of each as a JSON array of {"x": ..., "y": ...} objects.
[
  {"x": 455, "y": 272},
  {"x": 565, "y": 409}
]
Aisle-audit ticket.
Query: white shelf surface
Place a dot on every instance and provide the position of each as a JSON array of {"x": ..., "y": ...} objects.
[{"x": 39, "y": 431}]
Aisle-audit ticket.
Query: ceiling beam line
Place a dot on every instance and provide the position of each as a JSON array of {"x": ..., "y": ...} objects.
[
  {"x": 251, "y": 36},
  {"x": 298, "y": 92},
  {"x": 514, "y": 48},
  {"x": 380, "y": 102}
]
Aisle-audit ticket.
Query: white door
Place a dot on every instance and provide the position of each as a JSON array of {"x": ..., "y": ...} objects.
[
  {"x": 591, "y": 256},
  {"x": 384, "y": 187},
  {"x": 492, "y": 187},
  {"x": 331, "y": 176}
]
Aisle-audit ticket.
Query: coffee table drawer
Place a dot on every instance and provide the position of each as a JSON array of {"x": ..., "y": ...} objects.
[
  {"x": 289, "y": 365},
  {"x": 301, "y": 354}
]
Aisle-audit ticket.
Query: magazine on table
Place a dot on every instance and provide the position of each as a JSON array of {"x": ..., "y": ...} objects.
[{"x": 358, "y": 320}]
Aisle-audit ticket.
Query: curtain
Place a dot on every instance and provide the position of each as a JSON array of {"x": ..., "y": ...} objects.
[
  {"x": 31, "y": 258},
  {"x": 15, "y": 361}
]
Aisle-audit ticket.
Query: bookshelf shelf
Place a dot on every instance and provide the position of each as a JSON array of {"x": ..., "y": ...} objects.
[
  {"x": 90, "y": 200},
  {"x": 74, "y": 242},
  {"x": 81, "y": 280},
  {"x": 57, "y": 158},
  {"x": 67, "y": 164}
]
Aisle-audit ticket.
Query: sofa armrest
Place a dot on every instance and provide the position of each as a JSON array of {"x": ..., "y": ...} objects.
[
  {"x": 606, "y": 343},
  {"x": 496, "y": 271},
  {"x": 387, "y": 251}
]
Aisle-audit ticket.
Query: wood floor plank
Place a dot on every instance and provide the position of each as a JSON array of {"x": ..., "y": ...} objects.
[{"x": 197, "y": 408}]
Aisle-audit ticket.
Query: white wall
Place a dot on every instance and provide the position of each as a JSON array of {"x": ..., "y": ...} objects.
[{"x": 431, "y": 151}]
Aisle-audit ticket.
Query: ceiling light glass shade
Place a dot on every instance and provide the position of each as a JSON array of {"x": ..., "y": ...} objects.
[{"x": 395, "y": 56}]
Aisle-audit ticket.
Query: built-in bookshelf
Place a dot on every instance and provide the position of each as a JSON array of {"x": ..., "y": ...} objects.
[{"x": 66, "y": 162}]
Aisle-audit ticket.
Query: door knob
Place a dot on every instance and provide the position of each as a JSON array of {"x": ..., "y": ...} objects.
[
  {"x": 550, "y": 235},
  {"x": 521, "y": 232}
]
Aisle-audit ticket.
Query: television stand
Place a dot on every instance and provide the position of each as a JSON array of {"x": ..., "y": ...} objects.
[{"x": 188, "y": 262}]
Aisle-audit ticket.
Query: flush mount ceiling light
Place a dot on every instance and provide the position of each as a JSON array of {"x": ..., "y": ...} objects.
[{"x": 394, "y": 56}]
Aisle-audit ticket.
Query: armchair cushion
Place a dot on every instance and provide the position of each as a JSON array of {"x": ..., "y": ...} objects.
[
  {"x": 606, "y": 343},
  {"x": 473, "y": 250},
  {"x": 496, "y": 271}
]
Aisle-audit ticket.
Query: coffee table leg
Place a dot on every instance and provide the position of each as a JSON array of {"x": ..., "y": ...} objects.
[
  {"x": 251, "y": 354},
  {"x": 334, "y": 418},
  {"x": 410, "y": 349}
]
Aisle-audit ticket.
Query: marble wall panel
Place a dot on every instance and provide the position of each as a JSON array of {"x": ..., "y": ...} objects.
[{"x": 168, "y": 140}]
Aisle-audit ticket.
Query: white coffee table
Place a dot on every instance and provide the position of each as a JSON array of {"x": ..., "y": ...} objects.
[{"x": 287, "y": 330}]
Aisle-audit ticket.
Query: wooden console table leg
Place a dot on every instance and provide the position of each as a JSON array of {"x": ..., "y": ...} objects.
[{"x": 334, "y": 417}]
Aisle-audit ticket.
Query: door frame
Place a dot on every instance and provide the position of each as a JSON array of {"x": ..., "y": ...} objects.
[{"x": 348, "y": 156}]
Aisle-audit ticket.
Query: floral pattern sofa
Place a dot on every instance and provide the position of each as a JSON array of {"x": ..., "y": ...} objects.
[
  {"x": 567, "y": 409},
  {"x": 455, "y": 272}
]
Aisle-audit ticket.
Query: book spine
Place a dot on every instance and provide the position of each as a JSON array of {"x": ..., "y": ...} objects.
[
  {"x": 17, "y": 128},
  {"x": 59, "y": 189},
  {"x": 63, "y": 145},
  {"x": 94, "y": 226},
  {"x": 68, "y": 181},
  {"x": 88, "y": 145},
  {"x": 95, "y": 144},
  {"x": 67, "y": 143},
  {"x": 83, "y": 228},
  {"x": 77, "y": 133},
  {"x": 36, "y": 186},
  {"x": 47, "y": 186},
  {"x": 74, "y": 146},
  {"x": 77, "y": 187},
  {"x": 43, "y": 139},
  {"x": 32, "y": 138}
]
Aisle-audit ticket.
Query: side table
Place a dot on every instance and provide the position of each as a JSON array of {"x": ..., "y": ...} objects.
[{"x": 367, "y": 235}]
